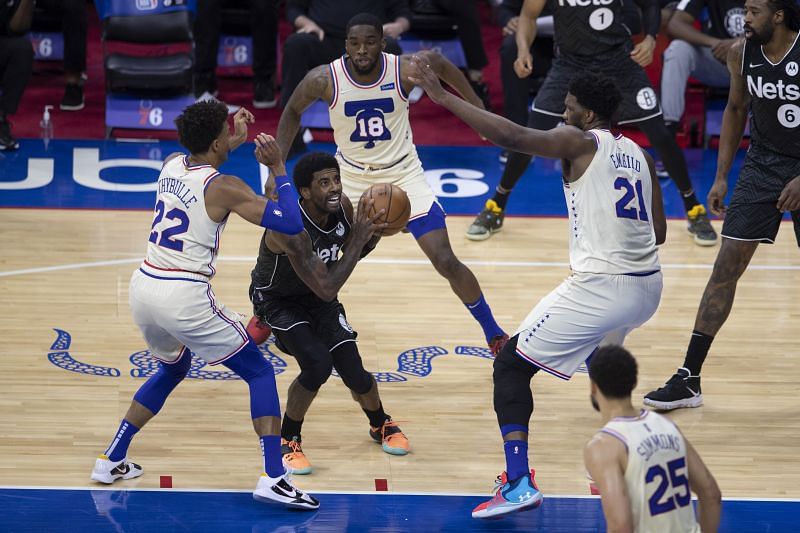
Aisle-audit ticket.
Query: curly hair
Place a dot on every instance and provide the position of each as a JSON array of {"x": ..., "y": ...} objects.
[
  {"x": 613, "y": 369},
  {"x": 201, "y": 123},
  {"x": 310, "y": 163},
  {"x": 791, "y": 12},
  {"x": 597, "y": 93}
]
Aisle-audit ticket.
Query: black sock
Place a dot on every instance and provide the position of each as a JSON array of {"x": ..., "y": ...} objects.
[
  {"x": 501, "y": 197},
  {"x": 377, "y": 417},
  {"x": 689, "y": 199},
  {"x": 290, "y": 428},
  {"x": 697, "y": 352}
]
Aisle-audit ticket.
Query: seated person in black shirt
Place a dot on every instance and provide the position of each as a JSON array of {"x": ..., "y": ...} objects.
[{"x": 16, "y": 63}]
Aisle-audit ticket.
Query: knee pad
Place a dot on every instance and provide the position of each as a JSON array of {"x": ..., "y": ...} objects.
[
  {"x": 348, "y": 364},
  {"x": 513, "y": 399},
  {"x": 250, "y": 365},
  {"x": 154, "y": 392},
  {"x": 314, "y": 376}
]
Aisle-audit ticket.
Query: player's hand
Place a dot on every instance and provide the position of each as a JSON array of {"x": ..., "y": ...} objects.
[
  {"x": 716, "y": 197},
  {"x": 309, "y": 26},
  {"x": 365, "y": 226},
  {"x": 720, "y": 50},
  {"x": 241, "y": 119},
  {"x": 642, "y": 53},
  {"x": 511, "y": 26},
  {"x": 393, "y": 29},
  {"x": 423, "y": 75},
  {"x": 523, "y": 65},
  {"x": 269, "y": 154},
  {"x": 789, "y": 200}
]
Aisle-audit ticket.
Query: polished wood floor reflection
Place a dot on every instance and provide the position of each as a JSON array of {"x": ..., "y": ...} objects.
[{"x": 69, "y": 270}]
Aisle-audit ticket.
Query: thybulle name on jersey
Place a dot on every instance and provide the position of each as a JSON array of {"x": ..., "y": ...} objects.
[{"x": 178, "y": 188}]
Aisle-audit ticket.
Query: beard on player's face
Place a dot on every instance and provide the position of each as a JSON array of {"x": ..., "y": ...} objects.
[{"x": 760, "y": 35}]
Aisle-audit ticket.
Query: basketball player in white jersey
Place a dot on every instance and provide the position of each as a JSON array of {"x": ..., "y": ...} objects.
[
  {"x": 173, "y": 303},
  {"x": 367, "y": 91},
  {"x": 643, "y": 466},
  {"x": 616, "y": 219}
]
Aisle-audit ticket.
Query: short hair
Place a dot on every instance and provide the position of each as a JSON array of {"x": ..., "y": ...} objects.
[
  {"x": 613, "y": 369},
  {"x": 791, "y": 12},
  {"x": 201, "y": 123},
  {"x": 365, "y": 19},
  {"x": 596, "y": 92},
  {"x": 309, "y": 164}
]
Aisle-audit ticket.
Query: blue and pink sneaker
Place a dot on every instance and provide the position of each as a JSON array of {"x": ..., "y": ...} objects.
[{"x": 511, "y": 496}]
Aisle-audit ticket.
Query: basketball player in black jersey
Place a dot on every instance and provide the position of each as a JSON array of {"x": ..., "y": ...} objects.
[
  {"x": 294, "y": 290},
  {"x": 765, "y": 79},
  {"x": 591, "y": 35}
]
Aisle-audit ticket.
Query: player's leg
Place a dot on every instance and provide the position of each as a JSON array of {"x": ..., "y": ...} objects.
[
  {"x": 751, "y": 218},
  {"x": 430, "y": 231},
  {"x": 546, "y": 114},
  {"x": 513, "y": 405}
]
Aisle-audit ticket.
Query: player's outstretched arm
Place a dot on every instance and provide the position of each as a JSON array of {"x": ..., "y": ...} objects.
[
  {"x": 734, "y": 120},
  {"x": 315, "y": 86},
  {"x": 447, "y": 72},
  {"x": 566, "y": 142},
  {"x": 325, "y": 282},
  {"x": 241, "y": 119},
  {"x": 605, "y": 457},
  {"x": 702, "y": 483},
  {"x": 657, "y": 215}
]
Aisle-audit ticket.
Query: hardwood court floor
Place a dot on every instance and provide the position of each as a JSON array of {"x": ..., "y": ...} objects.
[{"x": 69, "y": 270}]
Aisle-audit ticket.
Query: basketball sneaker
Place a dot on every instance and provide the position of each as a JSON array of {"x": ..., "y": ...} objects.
[
  {"x": 280, "y": 490},
  {"x": 294, "y": 460},
  {"x": 390, "y": 438},
  {"x": 511, "y": 496},
  {"x": 258, "y": 330},
  {"x": 108, "y": 471},
  {"x": 700, "y": 227},
  {"x": 682, "y": 390},
  {"x": 497, "y": 343},
  {"x": 488, "y": 221}
]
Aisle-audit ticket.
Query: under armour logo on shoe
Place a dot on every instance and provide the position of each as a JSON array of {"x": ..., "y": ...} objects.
[{"x": 526, "y": 496}]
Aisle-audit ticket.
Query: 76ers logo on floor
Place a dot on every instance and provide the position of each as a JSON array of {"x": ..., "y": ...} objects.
[{"x": 370, "y": 123}]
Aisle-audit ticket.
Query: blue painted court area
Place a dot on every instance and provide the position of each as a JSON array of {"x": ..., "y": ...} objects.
[
  {"x": 122, "y": 175},
  {"x": 26, "y": 510}
]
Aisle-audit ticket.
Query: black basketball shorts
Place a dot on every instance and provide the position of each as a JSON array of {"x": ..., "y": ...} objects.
[
  {"x": 327, "y": 319},
  {"x": 639, "y": 100},
  {"x": 752, "y": 215}
]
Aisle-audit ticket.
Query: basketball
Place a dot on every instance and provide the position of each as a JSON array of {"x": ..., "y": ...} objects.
[{"x": 394, "y": 201}]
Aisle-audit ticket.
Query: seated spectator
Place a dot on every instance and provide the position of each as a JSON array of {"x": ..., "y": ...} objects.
[
  {"x": 321, "y": 31},
  {"x": 700, "y": 54},
  {"x": 16, "y": 62},
  {"x": 264, "y": 19},
  {"x": 73, "y": 14}
]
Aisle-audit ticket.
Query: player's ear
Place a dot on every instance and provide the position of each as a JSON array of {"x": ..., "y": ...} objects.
[{"x": 305, "y": 192}]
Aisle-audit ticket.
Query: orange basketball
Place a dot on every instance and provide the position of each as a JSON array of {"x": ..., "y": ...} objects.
[{"x": 394, "y": 201}]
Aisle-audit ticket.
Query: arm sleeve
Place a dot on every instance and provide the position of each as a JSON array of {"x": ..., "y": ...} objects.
[
  {"x": 651, "y": 16},
  {"x": 284, "y": 215}
]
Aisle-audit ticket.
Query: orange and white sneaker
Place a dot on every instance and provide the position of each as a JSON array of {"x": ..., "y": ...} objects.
[
  {"x": 294, "y": 460},
  {"x": 390, "y": 438}
]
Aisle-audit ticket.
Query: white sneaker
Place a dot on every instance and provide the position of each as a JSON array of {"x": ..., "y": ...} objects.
[
  {"x": 107, "y": 471},
  {"x": 280, "y": 490}
]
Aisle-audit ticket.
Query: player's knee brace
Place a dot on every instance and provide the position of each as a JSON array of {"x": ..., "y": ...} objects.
[
  {"x": 351, "y": 369},
  {"x": 314, "y": 375},
  {"x": 250, "y": 365},
  {"x": 154, "y": 392},
  {"x": 513, "y": 399}
]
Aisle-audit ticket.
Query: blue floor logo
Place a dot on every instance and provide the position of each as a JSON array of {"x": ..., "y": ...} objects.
[{"x": 415, "y": 362}]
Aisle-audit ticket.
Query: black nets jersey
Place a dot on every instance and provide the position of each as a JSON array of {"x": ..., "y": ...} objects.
[
  {"x": 775, "y": 94},
  {"x": 588, "y": 27},
  {"x": 274, "y": 275}
]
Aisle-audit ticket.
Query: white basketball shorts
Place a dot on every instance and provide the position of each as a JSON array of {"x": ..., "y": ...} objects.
[
  {"x": 582, "y": 313},
  {"x": 173, "y": 313}
]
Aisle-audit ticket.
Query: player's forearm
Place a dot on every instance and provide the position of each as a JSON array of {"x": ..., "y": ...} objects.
[
  {"x": 23, "y": 16},
  {"x": 288, "y": 126},
  {"x": 734, "y": 120},
  {"x": 708, "y": 514},
  {"x": 450, "y": 74},
  {"x": 651, "y": 18},
  {"x": 338, "y": 275},
  {"x": 526, "y": 33}
]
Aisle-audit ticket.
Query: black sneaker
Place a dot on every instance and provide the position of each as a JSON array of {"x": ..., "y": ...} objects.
[
  {"x": 264, "y": 96},
  {"x": 700, "y": 226},
  {"x": 488, "y": 221},
  {"x": 73, "y": 98},
  {"x": 482, "y": 90},
  {"x": 7, "y": 141},
  {"x": 682, "y": 390}
]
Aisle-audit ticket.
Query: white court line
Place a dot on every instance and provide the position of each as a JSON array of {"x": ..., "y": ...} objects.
[
  {"x": 357, "y": 492},
  {"x": 388, "y": 261}
]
